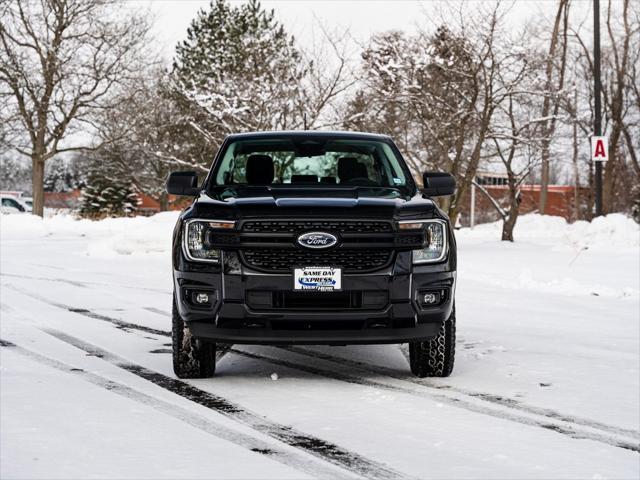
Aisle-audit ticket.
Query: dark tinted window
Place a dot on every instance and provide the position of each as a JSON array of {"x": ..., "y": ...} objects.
[{"x": 364, "y": 163}]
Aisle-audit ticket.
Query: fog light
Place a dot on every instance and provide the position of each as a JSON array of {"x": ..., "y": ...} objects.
[
  {"x": 431, "y": 298},
  {"x": 201, "y": 298}
]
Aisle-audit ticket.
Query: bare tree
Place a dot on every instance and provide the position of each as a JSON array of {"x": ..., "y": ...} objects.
[
  {"x": 621, "y": 112},
  {"x": 146, "y": 137},
  {"x": 329, "y": 76},
  {"x": 490, "y": 57},
  {"x": 516, "y": 146},
  {"x": 514, "y": 125},
  {"x": 550, "y": 103},
  {"x": 60, "y": 61},
  {"x": 615, "y": 96}
]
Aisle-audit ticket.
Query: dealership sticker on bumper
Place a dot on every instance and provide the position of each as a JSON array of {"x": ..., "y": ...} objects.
[{"x": 322, "y": 279}]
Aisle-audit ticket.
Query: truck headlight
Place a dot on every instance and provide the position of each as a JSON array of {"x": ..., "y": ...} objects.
[
  {"x": 196, "y": 245},
  {"x": 436, "y": 233}
]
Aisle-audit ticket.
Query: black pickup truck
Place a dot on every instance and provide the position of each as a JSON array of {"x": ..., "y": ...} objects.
[{"x": 312, "y": 238}]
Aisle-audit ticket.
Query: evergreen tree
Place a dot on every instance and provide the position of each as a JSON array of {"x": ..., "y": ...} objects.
[
  {"x": 239, "y": 71},
  {"x": 63, "y": 176},
  {"x": 107, "y": 196}
]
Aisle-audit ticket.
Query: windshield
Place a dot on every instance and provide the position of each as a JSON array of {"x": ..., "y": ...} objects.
[{"x": 310, "y": 162}]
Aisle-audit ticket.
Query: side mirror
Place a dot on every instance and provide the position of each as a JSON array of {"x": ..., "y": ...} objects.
[
  {"x": 183, "y": 183},
  {"x": 438, "y": 184}
]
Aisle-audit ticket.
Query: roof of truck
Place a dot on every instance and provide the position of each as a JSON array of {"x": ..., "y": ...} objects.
[{"x": 309, "y": 134}]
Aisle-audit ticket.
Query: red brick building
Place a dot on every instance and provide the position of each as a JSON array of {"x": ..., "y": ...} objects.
[
  {"x": 561, "y": 202},
  {"x": 62, "y": 199},
  {"x": 147, "y": 205}
]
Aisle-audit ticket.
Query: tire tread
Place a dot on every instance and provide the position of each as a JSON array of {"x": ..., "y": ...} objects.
[
  {"x": 192, "y": 358},
  {"x": 435, "y": 357}
]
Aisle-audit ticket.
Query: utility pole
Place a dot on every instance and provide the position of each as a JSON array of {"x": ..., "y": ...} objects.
[
  {"x": 597, "y": 88},
  {"x": 472, "y": 220}
]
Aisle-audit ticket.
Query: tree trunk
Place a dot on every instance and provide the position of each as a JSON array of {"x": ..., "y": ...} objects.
[
  {"x": 549, "y": 124},
  {"x": 37, "y": 180},
  {"x": 614, "y": 164},
  {"x": 509, "y": 224},
  {"x": 611, "y": 170},
  {"x": 164, "y": 202},
  {"x": 510, "y": 220},
  {"x": 576, "y": 170},
  {"x": 544, "y": 178},
  {"x": 464, "y": 182}
]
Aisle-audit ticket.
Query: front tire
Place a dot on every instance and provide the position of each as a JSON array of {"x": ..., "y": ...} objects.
[
  {"x": 192, "y": 357},
  {"x": 435, "y": 357}
]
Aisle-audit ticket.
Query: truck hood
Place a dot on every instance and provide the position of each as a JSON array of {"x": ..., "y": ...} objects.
[{"x": 268, "y": 202}]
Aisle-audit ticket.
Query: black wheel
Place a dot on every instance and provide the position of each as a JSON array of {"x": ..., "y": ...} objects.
[
  {"x": 192, "y": 357},
  {"x": 434, "y": 358}
]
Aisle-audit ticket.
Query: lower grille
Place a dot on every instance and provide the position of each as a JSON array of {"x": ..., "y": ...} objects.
[
  {"x": 280, "y": 260},
  {"x": 317, "y": 325},
  {"x": 316, "y": 301}
]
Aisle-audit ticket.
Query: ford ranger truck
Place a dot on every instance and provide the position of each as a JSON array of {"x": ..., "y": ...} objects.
[{"x": 312, "y": 238}]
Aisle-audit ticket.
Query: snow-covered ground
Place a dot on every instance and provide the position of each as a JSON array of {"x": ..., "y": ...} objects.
[{"x": 546, "y": 383}]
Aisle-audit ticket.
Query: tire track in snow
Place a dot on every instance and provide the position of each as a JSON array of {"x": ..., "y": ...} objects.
[
  {"x": 487, "y": 397},
  {"x": 291, "y": 459},
  {"x": 84, "y": 283},
  {"x": 319, "y": 448},
  {"x": 123, "y": 325},
  {"x": 455, "y": 398},
  {"x": 157, "y": 311}
]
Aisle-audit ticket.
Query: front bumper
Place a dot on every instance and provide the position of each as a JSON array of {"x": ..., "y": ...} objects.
[
  {"x": 230, "y": 319},
  {"x": 313, "y": 337}
]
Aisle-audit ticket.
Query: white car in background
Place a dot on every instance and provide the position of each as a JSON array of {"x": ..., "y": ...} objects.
[
  {"x": 28, "y": 203},
  {"x": 10, "y": 204}
]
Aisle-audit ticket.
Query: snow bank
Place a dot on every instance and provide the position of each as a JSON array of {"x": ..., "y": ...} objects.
[
  {"x": 551, "y": 256},
  {"x": 111, "y": 236},
  {"x": 140, "y": 235},
  {"x": 614, "y": 231},
  {"x": 24, "y": 226}
]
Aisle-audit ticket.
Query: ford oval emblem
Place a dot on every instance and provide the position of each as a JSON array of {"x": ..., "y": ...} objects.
[{"x": 317, "y": 240}]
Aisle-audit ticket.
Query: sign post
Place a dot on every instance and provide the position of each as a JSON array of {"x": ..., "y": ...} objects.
[
  {"x": 597, "y": 87},
  {"x": 472, "y": 220}
]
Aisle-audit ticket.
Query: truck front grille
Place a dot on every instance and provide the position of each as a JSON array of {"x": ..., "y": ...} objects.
[
  {"x": 280, "y": 260},
  {"x": 295, "y": 226},
  {"x": 364, "y": 245}
]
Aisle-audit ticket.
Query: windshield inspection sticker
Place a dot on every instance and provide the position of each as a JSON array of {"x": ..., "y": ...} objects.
[
  {"x": 322, "y": 279},
  {"x": 397, "y": 181}
]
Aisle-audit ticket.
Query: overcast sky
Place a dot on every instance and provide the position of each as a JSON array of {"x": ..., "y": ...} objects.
[{"x": 362, "y": 17}]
